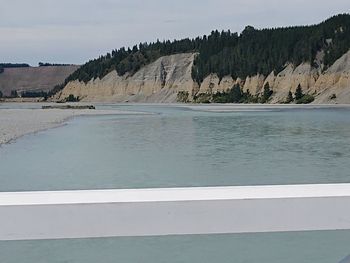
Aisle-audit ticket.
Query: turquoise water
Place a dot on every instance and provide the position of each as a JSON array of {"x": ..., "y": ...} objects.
[
  {"x": 176, "y": 146},
  {"x": 299, "y": 247}
]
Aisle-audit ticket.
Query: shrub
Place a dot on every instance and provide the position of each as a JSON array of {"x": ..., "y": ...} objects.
[
  {"x": 306, "y": 99},
  {"x": 183, "y": 96},
  {"x": 14, "y": 94},
  {"x": 71, "y": 98},
  {"x": 202, "y": 98}
]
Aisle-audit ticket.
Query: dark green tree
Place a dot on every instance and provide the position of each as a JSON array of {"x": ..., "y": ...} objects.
[
  {"x": 235, "y": 94},
  {"x": 289, "y": 97},
  {"x": 298, "y": 93},
  {"x": 14, "y": 94},
  {"x": 267, "y": 93},
  {"x": 71, "y": 98}
]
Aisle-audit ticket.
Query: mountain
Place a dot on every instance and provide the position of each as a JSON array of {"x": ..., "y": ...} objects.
[
  {"x": 315, "y": 57},
  {"x": 22, "y": 77}
]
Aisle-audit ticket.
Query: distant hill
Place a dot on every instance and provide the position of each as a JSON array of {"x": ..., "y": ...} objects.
[
  {"x": 297, "y": 64},
  {"x": 26, "y": 78},
  {"x": 231, "y": 54},
  {"x": 12, "y": 65}
]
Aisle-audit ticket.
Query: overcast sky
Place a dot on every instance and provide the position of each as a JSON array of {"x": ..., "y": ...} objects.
[{"x": 74, "y": 31}]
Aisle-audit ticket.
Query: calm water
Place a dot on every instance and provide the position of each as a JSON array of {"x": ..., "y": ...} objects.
[
  {"x": 299, "y": 247},
  {"x": 176, "y": 146}
]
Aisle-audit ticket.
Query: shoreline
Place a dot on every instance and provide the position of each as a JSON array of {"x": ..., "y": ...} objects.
[
  {"x": 15, "y": 123},
  {"x": 262, "y": 107}
]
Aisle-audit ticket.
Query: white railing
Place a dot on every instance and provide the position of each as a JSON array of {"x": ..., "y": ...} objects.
[{"x": 173, "y": 211}]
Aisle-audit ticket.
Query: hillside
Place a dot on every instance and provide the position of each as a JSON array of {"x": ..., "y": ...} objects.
[
  {"x": 33, "y": 78},
  {"x": 170, "y": 76},
  {"x": 283, "y": 57}
]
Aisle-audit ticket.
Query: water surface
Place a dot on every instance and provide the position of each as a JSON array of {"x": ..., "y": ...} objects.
[
  {"x": 300, "y": 247},
  {"x": 177, "y": 146}
]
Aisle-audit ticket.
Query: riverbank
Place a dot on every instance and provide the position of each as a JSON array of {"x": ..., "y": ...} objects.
[{"x": 15, "y": 123}]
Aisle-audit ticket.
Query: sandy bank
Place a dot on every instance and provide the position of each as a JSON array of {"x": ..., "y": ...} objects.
[{"x": 15, "y": 123}]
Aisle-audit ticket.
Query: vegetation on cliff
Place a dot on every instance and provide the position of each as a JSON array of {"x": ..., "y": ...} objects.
[
  {"x": 34, "y": 94},
  {"x": 301, "y": 98},
  {"x": 262, "y": 51},
  {"x": 225, "y": 53},
  {"x": 236, "y": 95}
]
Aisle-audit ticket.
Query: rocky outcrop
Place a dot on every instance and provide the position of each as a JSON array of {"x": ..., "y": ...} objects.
[
  {"x": 161, "y": 81},
  {"x": 336, "y": 81}
]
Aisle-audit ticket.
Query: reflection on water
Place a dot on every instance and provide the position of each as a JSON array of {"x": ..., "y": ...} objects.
[
  {"x": 181, "y": 147},
  {"x": 301, "y": 247}
]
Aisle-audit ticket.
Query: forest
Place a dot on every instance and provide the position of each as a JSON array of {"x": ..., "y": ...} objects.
[
  {"x": 42, "y": 64},
  {"x": 226, "y": 53}
]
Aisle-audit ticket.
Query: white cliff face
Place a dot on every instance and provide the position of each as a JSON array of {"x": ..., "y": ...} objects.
[
  {"x": 161, "y": 80},
  {"x": 289, "y": 79},
  {"x": 254, "y": 84},
  {"x": 335, "y": 81},
  {"x": 331, "y": 86}
]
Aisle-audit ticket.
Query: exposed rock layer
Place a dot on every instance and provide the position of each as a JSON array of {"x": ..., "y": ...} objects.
[
  {"x": 161, "y": 80},
  {"x": 157, "y": 82}
]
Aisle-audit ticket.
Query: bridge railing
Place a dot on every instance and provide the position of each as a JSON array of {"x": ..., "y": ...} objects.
[{"x": 173, "y": 211}]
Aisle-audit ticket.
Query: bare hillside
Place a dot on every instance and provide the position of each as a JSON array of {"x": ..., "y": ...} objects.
[{"x": 33, "y": 78}]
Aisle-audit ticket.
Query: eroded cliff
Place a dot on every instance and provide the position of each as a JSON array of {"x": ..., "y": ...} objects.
[
  {"x": 159, "y": 81},
  {"x": 163, "y": 79}
]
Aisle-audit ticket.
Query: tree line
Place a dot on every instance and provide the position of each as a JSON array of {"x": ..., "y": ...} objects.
[
  {"x": 42, "y": 64},
  {"x": 236, "y": 94},
  {"x": 26, "y": 94},
  {"x": 12, "y": 65},
  {"x": 226, "y": 53}
]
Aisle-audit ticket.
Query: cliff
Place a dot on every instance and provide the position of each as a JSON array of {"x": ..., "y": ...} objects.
[
  {"x": 161, "y": 81},
  {"x": 33, "y": 78}
]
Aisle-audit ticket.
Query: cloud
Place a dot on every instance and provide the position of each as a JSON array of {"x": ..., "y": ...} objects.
[{"x": 74, "y": 31}]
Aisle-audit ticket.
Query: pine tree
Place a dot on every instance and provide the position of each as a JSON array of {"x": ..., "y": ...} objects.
[
  {"x": 235, "y": 94},
  {"x": 298, "y": 93},
  {"x": 267, "y": 93},
  {"x": 290, "y": 97}
]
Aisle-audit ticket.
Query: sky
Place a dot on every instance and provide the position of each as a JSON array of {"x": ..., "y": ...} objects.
[{"x": 75, "y": 31}]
